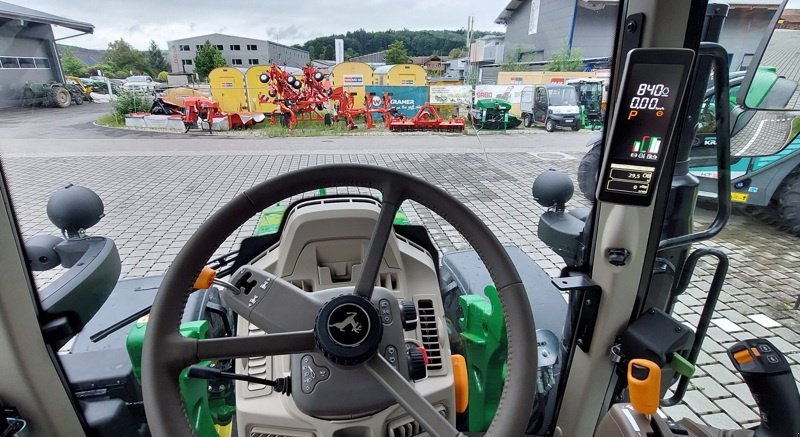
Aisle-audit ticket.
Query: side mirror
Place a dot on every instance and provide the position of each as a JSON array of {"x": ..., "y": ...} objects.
[{"x": 771, "y": 80}]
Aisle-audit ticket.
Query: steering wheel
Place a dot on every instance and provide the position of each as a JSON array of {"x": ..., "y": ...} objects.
[{"x": 166, "y": 352}]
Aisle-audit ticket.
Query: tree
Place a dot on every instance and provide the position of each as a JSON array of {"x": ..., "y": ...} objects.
[
  {"x": 208, "y": 58},
  {"x": 456, "y": 52},
  {"x": 123, "y": 57},
  {"x": 565, "y": 60},
  {"x": 350, "y": 53},
  {"x": 163, "y": 76},
  {"x": 326, "y": 53},
  {"x": 71, "y": 65},
  {"x": 156, "y": 58},
  {"x": 397, "y": 53}
]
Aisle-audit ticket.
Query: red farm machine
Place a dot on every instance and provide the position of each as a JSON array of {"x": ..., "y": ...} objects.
[
  {"x": 297, "y": 99},
  {"x": 426, "y": 119},
  {"x": 346, "y": 110}
]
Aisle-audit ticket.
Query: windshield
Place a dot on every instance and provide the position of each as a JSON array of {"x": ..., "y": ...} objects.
[
  {"x": 563, "y": 96},
  {"x": 110, "y": 177}
]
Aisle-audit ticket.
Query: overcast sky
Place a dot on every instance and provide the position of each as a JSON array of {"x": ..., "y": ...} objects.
[{"x": 287, "y": 22}]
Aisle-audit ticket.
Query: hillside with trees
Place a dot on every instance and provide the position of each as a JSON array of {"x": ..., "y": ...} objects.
[{"x": 416, "y": 42}]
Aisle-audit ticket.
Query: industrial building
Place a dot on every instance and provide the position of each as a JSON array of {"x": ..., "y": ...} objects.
[
  {"x": 371, "y": 58},
  {"x": 238, "y": 52},
  {"x": 28, "y": 51},
  {"x": 536, "y": 29}
]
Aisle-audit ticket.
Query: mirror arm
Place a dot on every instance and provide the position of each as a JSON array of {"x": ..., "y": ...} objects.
[{"x": 719, "y": 57}]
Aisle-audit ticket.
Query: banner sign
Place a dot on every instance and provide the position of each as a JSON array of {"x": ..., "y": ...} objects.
[
  {"x": 407, "y": 99},
  {"x": 512, "y": 93},
  {"x": 353, "y": 79},
  {"x": 451, "y": 95}
]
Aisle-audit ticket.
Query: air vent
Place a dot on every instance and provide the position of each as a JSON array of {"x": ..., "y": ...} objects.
[
  {"x": 303, "y": 284},
  {"x": 260, "y": 367},
  {"x": 430, "y": 333},
  {"x": 408, "y": 427}
]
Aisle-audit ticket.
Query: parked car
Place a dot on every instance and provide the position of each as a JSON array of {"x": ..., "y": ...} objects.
[{"x": 140, "y": 83}]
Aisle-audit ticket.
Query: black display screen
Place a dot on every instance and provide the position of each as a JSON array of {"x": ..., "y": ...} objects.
[
  {"x": 653, "y": 87},
  {"x": 648, "y": 100}
]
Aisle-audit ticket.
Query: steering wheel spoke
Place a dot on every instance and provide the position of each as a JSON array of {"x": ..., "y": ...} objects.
[
  {"x": 392, "y": 199},
  {"x": 405, "y": 394},
  {"x": 256, "y": 345}
]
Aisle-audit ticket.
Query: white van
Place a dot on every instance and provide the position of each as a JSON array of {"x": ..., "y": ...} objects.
[{"x": 550, "y": 106}]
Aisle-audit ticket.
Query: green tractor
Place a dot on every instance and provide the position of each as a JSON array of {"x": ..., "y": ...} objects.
[
  {"x": 590, "y": 98},
  {"x": 51, "y": 94}
]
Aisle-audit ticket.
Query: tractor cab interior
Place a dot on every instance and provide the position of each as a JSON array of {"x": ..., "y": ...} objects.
[{"x": 347, "y": 320}]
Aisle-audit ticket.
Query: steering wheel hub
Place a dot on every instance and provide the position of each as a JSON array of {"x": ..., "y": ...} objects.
[{"x": 348, "y": 330}]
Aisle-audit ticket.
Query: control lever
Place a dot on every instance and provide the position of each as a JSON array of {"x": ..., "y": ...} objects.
[
  {"x": 644, "y": 385},
  {"x": 770, "y": 380},
  {"x": 281, "y": 385}
]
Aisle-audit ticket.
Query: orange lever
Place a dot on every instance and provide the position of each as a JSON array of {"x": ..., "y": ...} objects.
[
  {"x": 644, "y": 385},
  {"x": 461, "y": 382},
  {"x": 205, "y": 279}
]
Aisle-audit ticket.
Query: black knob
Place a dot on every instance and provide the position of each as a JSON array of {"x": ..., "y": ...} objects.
[
  {"x": 409, "y": 316},
  {"x": 348, "y": 330},
  {"x": 416, "y": 363}
]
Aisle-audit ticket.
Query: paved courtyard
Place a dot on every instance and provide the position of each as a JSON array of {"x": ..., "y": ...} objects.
[{"x": 158, "y": 188}]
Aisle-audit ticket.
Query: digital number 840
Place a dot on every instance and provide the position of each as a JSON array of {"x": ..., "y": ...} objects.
[{"x": 655, "y": 90}]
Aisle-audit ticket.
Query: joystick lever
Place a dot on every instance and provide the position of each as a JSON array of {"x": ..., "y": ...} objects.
[{"x": 770, "y": 380}]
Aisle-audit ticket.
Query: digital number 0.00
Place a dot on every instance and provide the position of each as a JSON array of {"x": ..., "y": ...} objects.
[
  {"x": 656, "y": 90},
  {"x": 644, "y": 103}
]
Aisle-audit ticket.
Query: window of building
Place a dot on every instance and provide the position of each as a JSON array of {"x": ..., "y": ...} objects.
[
  {"x": 220, "y": 47},
  {"x": 184, "y": 48},
  {"x": 252, "y": 61},
  {"x": 235, "y": 47},
  {"x": 235, "y": 61},
  {"x": 186, "y": 61},
  {"x": 9, "y": 62},
  {"x": 42, "y": 62},
  {"x": 198, "y": 47},
  {"x": 26, "y": 63},
  {"x": 252, "y": 47}
]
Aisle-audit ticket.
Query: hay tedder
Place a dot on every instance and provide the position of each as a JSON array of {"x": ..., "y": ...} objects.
[{"x": 296, "y": 99}]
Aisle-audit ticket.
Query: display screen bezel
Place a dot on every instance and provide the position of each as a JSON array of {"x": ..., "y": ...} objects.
[{"x": 681, "y": 57}]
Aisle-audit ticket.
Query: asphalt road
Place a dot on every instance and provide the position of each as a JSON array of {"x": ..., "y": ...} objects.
[{"x": 71, "y": 132}]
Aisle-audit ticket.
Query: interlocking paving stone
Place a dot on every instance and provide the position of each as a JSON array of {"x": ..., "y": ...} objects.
[
  {"x": 700, "y": 404},
  {"x": 709, "y": 387},
  {"x": 735, "y": 408},
  {"x": 721, "y": 374},
  {"x": 743, "y": 393},
  {"x": 726, "y": 325},
  {"x": 681, "y": 411},
  {"x": 764, "y": 321},
  {"x": 720, "y": 420}
]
